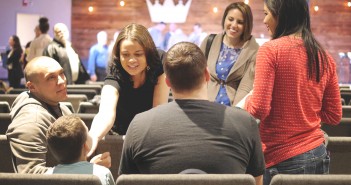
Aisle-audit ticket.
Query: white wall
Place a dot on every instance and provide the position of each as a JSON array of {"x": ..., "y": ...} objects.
[{"x": 55, "y": 10}]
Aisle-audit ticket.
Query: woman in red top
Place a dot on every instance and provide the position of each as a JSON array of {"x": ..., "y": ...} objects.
[{"x": 295, "y": 89}]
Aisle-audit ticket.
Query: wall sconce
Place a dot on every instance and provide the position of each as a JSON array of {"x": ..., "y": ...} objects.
[
  {"x": 215, "y": 9},
  {"x": 316, "y": 8},
  {"x": 91, "y": 9},
  {"x": 122, "y": 3},
  {"x": 349, "y": 4},
  {"x": 246, "y": 1}
]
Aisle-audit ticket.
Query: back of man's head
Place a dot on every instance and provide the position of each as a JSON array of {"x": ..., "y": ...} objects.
[
  {"x": 185, "y": 67},
  {"x": 66, "y": 137}
]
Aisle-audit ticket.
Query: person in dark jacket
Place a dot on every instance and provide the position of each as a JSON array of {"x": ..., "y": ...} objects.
[
  {"x": 61, "y": 50},
  {"x": 15, "y": 71}
]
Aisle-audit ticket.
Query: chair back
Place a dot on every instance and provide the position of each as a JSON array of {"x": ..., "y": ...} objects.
[
  {"x": 114, "y": 145},
  {"x": 5, "y": 121},
  {"x": 305, "y": 179},
  {"x": 4, "y": 107},
  {"x": 45, "y": 179},
  {"x": 5, "y": 156},
  {"x": 186, "y": 179},
  {"x": 343, "y": 129},
  {"x": 340, "y": 152}
]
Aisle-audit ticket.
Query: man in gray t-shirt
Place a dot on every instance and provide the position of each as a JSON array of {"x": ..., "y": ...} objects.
[{"x": 191, "y": 132}]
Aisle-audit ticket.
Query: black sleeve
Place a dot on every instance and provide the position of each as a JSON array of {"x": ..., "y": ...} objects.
[
  {"x": 159, "y": 70},
  {"x": 256, "y": 166}
]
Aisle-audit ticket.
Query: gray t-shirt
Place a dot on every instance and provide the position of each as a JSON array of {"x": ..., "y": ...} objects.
[{"x": 193, "y": 134}]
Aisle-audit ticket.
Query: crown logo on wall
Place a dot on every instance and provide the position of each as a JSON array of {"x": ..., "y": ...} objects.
[{"x": 168, "y": 12}]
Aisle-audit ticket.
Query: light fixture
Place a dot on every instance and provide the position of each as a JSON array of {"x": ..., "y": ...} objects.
[
  {"x": 246, "y": 1},
  {"x": 91, "y": 9},
  {"x": 215, "y": 9},
  {"x": 349, "y": 4},
  {"x": 122, "y": 3},
  {"x": 316, "y": 8}
]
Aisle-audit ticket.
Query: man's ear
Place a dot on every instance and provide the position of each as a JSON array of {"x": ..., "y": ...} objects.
[
  {"x": 167, "y": 81},
  {"x": 207, "y": 74},
  {"x": 30, "y": 85}
]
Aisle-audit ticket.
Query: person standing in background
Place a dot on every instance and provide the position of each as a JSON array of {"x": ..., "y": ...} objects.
[
  {"x": 98, "y": 58},
  {"x": 14, "y": 67},
  {"x": 232, "y": 56},
  {"x": 38, "y": 45},
  {"x": 197, "y": 36},
  {"x": 26, "y": 50},
  {"x": 156, "y": 33},
  {"x": 61, "y": 50}
]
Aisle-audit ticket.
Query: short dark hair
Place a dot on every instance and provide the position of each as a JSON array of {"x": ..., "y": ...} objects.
[
  {"x": 185, "y": 66},
  {"x": 44, "y": 24},
  {"x": 248, "y": 18},
  {"x": 66, "y": 137}
]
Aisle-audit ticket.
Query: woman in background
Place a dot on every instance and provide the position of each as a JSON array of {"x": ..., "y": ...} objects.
[
  {"x": 135, "y": 83},
  {"x": 295, "y": 89},
  {"x": 14, "y": 67},
  {"x": 231, "y": 59}
]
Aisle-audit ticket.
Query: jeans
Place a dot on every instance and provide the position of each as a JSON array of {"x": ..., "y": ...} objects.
[{"x": 315, "y": 161}]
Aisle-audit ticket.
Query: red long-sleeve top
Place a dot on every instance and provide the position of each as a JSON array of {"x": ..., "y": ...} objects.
[{"x": 289, "y": 104}]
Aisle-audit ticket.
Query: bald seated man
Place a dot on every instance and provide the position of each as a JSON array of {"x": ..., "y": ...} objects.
[{"x": 34, "y": 111}]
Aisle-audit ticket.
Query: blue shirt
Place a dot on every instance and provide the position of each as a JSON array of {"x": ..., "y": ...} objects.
[
  {"x": 226, "y": 60},
  {"x": 98, "y": 57}
]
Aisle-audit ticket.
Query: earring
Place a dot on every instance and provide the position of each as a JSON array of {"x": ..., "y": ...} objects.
[{"x": 147, "y": 68}]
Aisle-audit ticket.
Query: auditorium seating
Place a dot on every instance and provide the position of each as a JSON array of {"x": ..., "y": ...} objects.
[
  {"x": 5, "y": 120},
  {"x": 90, "y": 93},
  {"x": 305, "y": 179},
  {"x": 186, "y": 179},
  {"x": 5, "y": 156},
  {"x": 346, "y": 111},
  {"x": 44, "y": 179},
  {"x": 346, "y": 95},
  {"x": 112, "y": 144},
  {"x": 10, "y": 98},
  {"x": 340, "y": 152},
  {"x": 87, "y": 119},
  {"x": 75, "y": 99},
  {"x": 88, "y": 107},
  {"x": 95, "y": 87},
  {"x": 17, "y": 90},
  {"x": 4, "y": 107},
  {"x": 342, "y": 129},
  {"x": 69, "y": 106}
]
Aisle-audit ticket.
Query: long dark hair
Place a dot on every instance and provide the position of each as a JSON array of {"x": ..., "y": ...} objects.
[
  {"x": 140, "y": 34},
  {"x": 17, "y": 43},
  {"x": 293, "y": 16}
]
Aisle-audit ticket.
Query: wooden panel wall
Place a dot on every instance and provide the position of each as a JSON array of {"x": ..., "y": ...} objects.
[{"x": 331, "y": 24}]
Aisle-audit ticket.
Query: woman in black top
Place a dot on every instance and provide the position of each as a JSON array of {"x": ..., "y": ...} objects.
[{"x": 135, "y": 82}]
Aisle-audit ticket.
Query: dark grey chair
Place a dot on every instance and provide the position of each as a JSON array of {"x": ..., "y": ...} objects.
[
  {"x": 5, "y": 121},
  {"x": 186, "y": 179},
  {"x": 88, "y": 107},
  {"x": 340, "y": 152},
  {"x": 112, "y": 144},
  {"x": 343, "y": 129},
  {"x": 43, "y": 179},
  {"x": 5, "y": 156},
  {"x": 4, "y": 107},
  {"x": 305, "y": 179}
]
